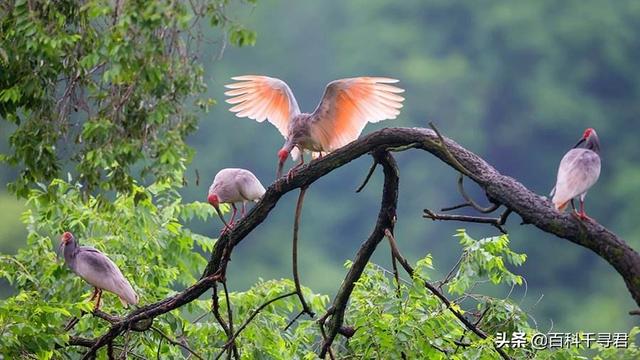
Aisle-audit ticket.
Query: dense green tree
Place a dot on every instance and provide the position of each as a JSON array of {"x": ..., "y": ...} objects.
[{"x": 100, "y": 96}]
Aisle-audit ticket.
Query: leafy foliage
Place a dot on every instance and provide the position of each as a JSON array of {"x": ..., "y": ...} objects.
[
  {"x": 142, "y": 232},
  {"x": 104, "y": 85},
  {"x": 485, "y": 257}
]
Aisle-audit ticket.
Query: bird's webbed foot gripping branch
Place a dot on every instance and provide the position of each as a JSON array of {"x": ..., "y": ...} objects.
[{"x": 501, "y": 190}]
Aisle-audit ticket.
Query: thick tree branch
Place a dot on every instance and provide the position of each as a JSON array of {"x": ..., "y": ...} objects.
[
  {"x": 532, "y": 208},
  {"x": 149, "y": 312},
  {"x": 386, "y": 220}
]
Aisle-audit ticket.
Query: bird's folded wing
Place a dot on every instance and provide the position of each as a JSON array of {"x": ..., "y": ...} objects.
[
  {"x": 263, "y": 98},
  {"x": 98, "y": 270},
  {"x": 349, "y": 104},
  {"x": 578, "y": 171}
]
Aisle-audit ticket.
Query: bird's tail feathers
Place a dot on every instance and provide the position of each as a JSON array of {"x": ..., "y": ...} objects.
[{"x": 128, "y": 295}]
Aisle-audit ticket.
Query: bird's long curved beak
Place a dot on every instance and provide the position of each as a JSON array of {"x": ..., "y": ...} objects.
[
  {"x": 221, "y": 217},
  {"x": 279, "y": 171},
  {"x": 579, "y": 142}
]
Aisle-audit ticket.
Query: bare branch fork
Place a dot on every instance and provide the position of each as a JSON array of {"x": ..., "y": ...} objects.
[
  {"x": 532, "y": 208},
  {"x": 386, "y": 220}
]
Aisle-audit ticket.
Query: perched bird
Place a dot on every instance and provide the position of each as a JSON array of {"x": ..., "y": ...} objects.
[
  {"x": 578, "y": 171},
  {"x": 231, "y": 186},
  {"x": 97, "y": 269},
  {"x": 345, "y": 108}
]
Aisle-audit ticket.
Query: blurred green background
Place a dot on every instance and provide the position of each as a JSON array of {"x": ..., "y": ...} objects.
[{"x": 515, "y": 82}]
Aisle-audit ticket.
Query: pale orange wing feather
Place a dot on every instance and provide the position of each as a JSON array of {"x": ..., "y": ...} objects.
[
  {"x": 263, "y": 98},
  {"x": 349, "y": 104}
]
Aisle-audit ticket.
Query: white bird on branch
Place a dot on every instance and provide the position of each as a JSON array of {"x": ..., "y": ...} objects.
[{"x": 578, "y": 171}]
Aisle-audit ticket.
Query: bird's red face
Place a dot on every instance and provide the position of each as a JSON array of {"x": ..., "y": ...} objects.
[
  {"x": 213, "y": 200},
  {"x": 66, "y": 238},
  {"x": 282, "y": 157},
  {"x": 587, "y": 133}
]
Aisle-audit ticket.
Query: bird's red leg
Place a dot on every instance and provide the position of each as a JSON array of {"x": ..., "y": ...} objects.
[
  {"x": 229, "y": 226},
  {"x": 582, "y": 214},
  {"x": 293, "y": 170},
  {"x": 233, "y": 216},
  {"x": 95, "y": 293},
  {"x": 244, "y": 210},
  {"x": 97, "y": 306}
]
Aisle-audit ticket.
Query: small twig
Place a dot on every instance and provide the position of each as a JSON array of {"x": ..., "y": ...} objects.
[
  {"x": 200, "y": 317},
  {"x": 470, "y": 202},
  {"x": 294, "y": 252},
  {"x": 125, "y": 347},
  {"x": 159, "y": 347},
  {"x": 293, "y": 320},
  {"x": 450, "y": 274},
  {"x": 250, "y": 318},
  {"x": 459, "y": 343},
  {"x": 452, "y": 159},
  {"x": 366, "y": 179},
  {"x": 496, "y": 222},
  {"x": 215, "y": 309},
  {"x": 634, "y": 312},
  {"x": 72, "y": 323},
  {"x": 455, "y": 207},
  {"x": 174, "y": 342},
  {"x": 394, "y": 264},
  {"x": 234, "y": 348}
]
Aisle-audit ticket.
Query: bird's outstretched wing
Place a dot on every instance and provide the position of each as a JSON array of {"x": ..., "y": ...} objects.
[
  {"x": 578, "y": 171},
  {"x": 349, "y": 104},
  {"x": 262, "y": 97}
]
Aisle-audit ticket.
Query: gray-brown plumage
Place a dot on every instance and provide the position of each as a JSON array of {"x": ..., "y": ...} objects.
[
  {"x": 578, "y": 171},
  {"x": 97, "y": 269}
]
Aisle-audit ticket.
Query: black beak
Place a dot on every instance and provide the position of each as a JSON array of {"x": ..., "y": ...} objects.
[
  {"x": 579, "y": 142},
  {"x": 279, "y": 172},
  {"x": 220, "y": 215}
]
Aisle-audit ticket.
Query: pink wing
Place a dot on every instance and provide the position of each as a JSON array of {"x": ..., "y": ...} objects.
[
  {"x": 262, "y": 97},
  {"x": 578, "y": 171},
  {"x": 349, "y": 104}
]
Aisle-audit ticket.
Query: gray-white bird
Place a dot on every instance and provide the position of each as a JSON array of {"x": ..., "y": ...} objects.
[
  {"x": 97, "y": 269},
  {"x": 232, "y": 186},
  {"x": 346, "y": 107},
  {"x": 578, "y": 171}
]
